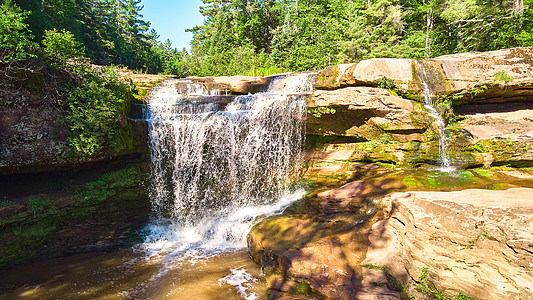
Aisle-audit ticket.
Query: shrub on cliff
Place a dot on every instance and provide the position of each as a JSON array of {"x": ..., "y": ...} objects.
[
  {"x": 95, "y": 103},
  {"x": 60, "y": 45}
]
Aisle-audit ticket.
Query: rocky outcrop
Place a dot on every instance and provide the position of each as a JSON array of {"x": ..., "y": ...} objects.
[
  {"x": 366, "y": 113},
  {"x": 345, "y": 244},
  {"x": 477, "y": 242},
  {"x": 376, "y": 103},
  {"x": 494, "y": 76},
  {"x": 242, "y": 85},
  {"x": 319, "y": 257}
]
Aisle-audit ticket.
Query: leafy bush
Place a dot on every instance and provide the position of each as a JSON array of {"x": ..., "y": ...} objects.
[
  {"x": 15, "y": 38},
  {"x": 94, "y": 107},
  {"x": 61, "y": 45},
  {"x": 39, "y": 204}
]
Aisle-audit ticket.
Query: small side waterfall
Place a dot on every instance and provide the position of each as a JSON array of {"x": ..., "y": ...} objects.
[
  {"x": 218, "y": 164},
  {"x": 427, "y": 76}
]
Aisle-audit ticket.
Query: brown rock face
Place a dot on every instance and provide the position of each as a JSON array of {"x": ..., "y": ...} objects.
[
  {"x": 475, "y": 241},
  {"x": 365, "y": 112},
  {"x": 465, "y": 71},
  {"x": 494, "y": 76},
  {"x": 324, "y": 250},
  {"x": 243, "y": 84},
  {"x": 371, "y": 71}
]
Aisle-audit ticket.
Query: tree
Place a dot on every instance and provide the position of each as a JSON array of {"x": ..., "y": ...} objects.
[{"x": 16, "y": 46}]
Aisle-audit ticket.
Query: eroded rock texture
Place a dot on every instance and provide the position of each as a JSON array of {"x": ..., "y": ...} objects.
[{"x": 474, "y": 242}]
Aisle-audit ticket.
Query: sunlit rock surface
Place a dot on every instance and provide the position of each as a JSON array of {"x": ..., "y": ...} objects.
[
  {"x": 475, "y": 241},
  {"x": 346, "y": 246}
]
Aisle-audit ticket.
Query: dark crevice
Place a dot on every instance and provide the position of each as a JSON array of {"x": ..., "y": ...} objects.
[
  {"x": 396, "y": 218},
  {"x": 511, "y": 248},
  {"x": 405, "y": 131}
]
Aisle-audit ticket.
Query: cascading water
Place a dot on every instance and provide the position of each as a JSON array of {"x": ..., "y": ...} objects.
[
  {"x": 216, "y": 167},
  {"x": 440, "y": 125}
]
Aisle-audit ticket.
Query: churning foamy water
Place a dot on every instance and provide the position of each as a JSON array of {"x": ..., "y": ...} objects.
[{"x": 218, "y": 164}]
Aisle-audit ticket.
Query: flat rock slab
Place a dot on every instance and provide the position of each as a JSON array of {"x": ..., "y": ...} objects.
[{"x": 478, "y": 242}]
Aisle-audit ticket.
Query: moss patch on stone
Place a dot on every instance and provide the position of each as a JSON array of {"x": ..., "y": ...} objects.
[{"x": 51, "y": 223}]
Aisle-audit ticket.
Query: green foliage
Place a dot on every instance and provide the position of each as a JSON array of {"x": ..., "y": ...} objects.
[
  {"x": 94, "y": 107},
  {"x": 109, "y": 184},
  {"x": 428, "y": 288},
  {"x": 303, "y": 35},
  {"x": 503, "y": 76},
  {"x": 317, "y": 112},
  {"x": 6, "y": 203},
  {"x": 386, "y": 83},
  {"x": 302, "y": 288},
  {"x": 61, "y": 45},
  {"x": 238, "y": 60},
  {"x": 38, "y": 205},
  {"x": 15, "y": 38}
]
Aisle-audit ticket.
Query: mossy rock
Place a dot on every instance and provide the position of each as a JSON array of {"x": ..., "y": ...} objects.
[{"x": 50, "y": 225}]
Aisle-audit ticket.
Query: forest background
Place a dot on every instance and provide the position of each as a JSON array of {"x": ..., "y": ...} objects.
[
  {"x": 258, "y": 37},
  {"x": 49, "y": 48}
]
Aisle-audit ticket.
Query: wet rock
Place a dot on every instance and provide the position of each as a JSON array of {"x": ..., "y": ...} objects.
[
  {"x": 299, "y": 250},
  {"x": 503, "y": 132}
]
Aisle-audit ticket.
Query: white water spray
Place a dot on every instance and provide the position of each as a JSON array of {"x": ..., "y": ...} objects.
[
  {"x": 216, "y": 167},
  {"x": 438, "y": 120}
]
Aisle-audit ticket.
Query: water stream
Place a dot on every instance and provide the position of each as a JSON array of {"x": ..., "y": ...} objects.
[
  {"x": 427, "y": 77},
  {"x": 218, "y": 164}
]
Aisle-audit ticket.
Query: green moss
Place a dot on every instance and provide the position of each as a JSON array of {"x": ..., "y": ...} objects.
[
  {"x": 485, "y": 173},
  {"x": 503, "y": 186},
  {"x": 302, "y": 288},
  {"x": 429, "y": 289},
  {"x": 503, "y": 76},
  {"x": 439, "y": 180},
  {"x": 411, "y": 181},
  {"x": 317, "y": 112},
  {"x": 317, "y": 141},
  {"x": 402, "y": 288}
]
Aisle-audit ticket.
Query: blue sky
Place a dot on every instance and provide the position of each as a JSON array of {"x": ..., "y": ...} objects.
[{"x": 171, "y": 18}]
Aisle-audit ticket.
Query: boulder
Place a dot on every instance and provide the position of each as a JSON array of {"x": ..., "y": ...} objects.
[
  {"x": 493, "y": 76},
  {"x": 243, "y": 85},
  {"x": 367, "y": 73},
  {"x": 471, "y": 242}
]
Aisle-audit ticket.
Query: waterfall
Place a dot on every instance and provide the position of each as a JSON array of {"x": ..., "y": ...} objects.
[
  {"x": 428, "y": 76},
  {"x": 216, "y": 164}
]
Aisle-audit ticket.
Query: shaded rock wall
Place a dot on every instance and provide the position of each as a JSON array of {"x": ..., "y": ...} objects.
[{"x": 55, "y": 213}]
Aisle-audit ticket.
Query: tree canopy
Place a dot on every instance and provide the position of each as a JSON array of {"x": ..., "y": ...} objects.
[
  {"x": 264, "y": 36},
  {"x": 310, "y": 34}
]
